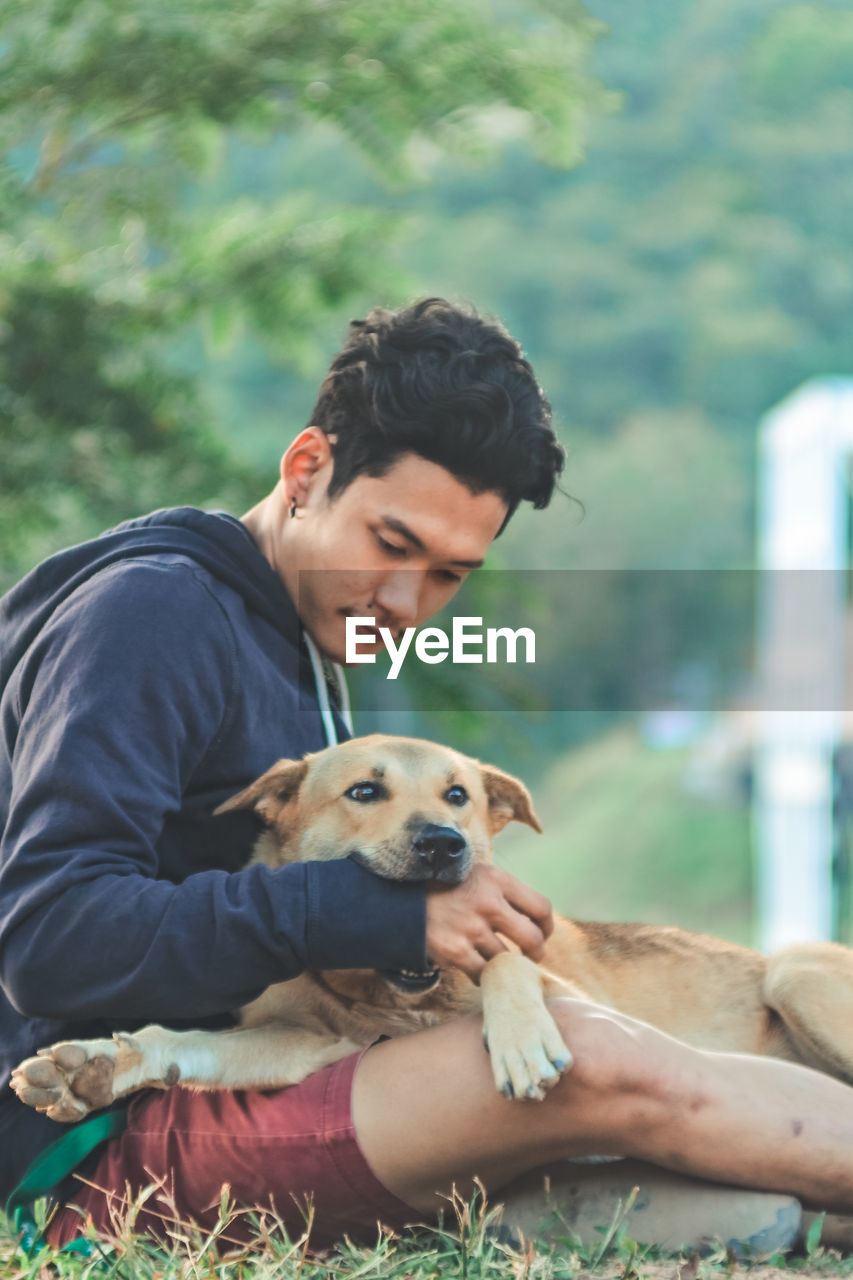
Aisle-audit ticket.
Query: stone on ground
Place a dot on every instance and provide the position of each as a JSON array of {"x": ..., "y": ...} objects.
[{"x": 669, "y": 1210}]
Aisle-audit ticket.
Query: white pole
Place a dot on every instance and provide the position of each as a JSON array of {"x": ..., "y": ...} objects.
[{"x": 802, "y": 551}]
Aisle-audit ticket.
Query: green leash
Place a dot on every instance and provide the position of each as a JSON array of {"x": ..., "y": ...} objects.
[{"x": 51, "y": 1167}]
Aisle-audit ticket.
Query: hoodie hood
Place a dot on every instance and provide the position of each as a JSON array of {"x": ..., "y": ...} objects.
[{"x": 218, "y": 542}]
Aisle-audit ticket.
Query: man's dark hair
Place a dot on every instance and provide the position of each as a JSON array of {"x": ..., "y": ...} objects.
[{"x": 440, "y": 381}]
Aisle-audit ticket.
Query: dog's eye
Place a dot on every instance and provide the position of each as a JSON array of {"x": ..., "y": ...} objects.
[
  {"x": 456, "y": 795},
  {"x": 366, "y": 792}
]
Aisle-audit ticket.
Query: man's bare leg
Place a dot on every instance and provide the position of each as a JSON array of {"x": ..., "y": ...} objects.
[{"x": 427, "y": 1114}]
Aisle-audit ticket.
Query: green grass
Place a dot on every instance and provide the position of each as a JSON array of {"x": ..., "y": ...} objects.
[
  {"x": 625, "y": 840},
  {"x": 469, "y": 1246}
]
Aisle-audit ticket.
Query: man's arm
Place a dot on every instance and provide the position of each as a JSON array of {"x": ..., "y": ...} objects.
[{"x": 119, "y": 707}]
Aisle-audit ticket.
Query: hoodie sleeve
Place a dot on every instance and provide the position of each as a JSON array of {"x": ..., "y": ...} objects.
[{"x": 122, "y": 696}]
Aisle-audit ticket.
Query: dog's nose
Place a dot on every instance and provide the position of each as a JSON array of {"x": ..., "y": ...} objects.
[{"x": 439, "y": 847}]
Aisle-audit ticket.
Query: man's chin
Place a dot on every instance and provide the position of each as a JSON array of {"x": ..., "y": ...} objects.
[
  {"x": 364, "y": 651},
  {"x": 364, "y": 647},
  {"x": 332, "y": 644}
]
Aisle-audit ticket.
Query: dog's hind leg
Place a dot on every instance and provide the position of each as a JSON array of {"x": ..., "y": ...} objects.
[
  {"x": 70, "y": 1079},
  {"x": 810, "y": 986}
]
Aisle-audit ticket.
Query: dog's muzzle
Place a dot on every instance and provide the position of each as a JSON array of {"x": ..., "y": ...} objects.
[
  {"x": 427, "y": 852},
  {"x": 441, "y": 854},
  {"x": 436, "y": 853}
]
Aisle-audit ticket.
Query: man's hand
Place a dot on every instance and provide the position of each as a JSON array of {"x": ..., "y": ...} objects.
[{"x": 463, "y": 921}]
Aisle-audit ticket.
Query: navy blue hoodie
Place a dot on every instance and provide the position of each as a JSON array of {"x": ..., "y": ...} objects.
[{"x": 145, "y": 677}]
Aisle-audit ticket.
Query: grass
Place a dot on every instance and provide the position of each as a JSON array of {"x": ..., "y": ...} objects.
[
  {"x": 625, "y": 840},
  {"x": 468, "y": 1246}
]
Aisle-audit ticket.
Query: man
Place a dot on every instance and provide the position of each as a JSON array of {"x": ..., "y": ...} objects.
[{"x": 152, "y": 673}]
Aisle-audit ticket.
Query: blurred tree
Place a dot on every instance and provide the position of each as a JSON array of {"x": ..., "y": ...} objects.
[
  {"x": 699, "y": 260},
  {"x": 112, "y": 259},
  {"x": 687, "y": 276}
]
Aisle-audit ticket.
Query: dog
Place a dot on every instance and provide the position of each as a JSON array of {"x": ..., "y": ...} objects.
[{"x": 411, "y": 810}]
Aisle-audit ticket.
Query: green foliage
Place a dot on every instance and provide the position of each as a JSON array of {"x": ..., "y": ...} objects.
[
  {"x": 120, "y": 258},
  {"x": 699, "y": 257},
  {"x": 382, "y": 73},
  {"x": 803, "y": 58},
  {"x": 194, "y": 195},
  {"x": 669, "y": 291},
  {"x": 92, "y": 421}
]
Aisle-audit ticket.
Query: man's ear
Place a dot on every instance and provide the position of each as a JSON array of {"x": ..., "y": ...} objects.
[
  {"x": 271, "y": 792},
  {"x": 508, "y": 799},
  {"x": 301, "y": 461}
]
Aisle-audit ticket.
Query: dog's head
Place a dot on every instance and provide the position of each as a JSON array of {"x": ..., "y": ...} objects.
[{"x": 404, "y": 808}]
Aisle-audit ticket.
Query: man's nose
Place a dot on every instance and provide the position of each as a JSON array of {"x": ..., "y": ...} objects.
[{"x": 399, "y": 595}]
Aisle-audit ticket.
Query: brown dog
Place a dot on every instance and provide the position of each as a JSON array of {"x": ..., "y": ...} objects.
[{"x": 412, "y": 810}]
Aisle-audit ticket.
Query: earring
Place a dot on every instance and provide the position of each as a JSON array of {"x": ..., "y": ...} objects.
[{"x": 292, "y": 508}]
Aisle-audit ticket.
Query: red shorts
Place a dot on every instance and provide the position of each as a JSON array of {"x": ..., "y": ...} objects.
[{"x": 274, "y": 1151}]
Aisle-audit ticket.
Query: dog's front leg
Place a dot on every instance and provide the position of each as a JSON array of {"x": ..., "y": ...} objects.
[
  {"x": 527, "y": 1051},
  {"x": 70, "y": 1079}
]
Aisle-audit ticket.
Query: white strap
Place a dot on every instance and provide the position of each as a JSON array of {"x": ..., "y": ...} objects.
[
  {"x": 329, "y": 727},
  {"x": 343, "y": 695}
]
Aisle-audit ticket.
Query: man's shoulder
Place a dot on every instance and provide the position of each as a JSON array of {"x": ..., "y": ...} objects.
[
  {"x": 184, "y": 560},
  {"x": 150, "y": 586},
  {"x": 162, "y": 610}
]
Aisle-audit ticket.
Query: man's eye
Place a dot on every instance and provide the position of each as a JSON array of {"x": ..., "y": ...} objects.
[
  {"x": 390, "y": 548},
  {"x": 449, "y": 576},
  {"x": 456, "y": 795},
  {"x": 365, "y": 792}
]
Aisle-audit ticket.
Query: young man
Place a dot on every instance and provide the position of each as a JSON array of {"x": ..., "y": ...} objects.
[{"x": 150, "y": 674}]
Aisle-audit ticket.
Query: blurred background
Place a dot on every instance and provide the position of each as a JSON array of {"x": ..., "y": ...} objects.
[{"x": 656, "y": 199}]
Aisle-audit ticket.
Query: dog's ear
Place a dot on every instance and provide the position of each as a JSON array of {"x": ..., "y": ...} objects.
[
  {"x": 508, "y": 799},
  {"x": 271, "y": 791}
]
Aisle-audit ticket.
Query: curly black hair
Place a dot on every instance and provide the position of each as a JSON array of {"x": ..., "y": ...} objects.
[{"x": 439, "y": 381}]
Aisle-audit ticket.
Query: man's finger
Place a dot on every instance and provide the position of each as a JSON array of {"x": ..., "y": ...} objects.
[
  {"x": 473, "y": 964},
  {"x": 523, "y": 932},
  {"x": 488, "y": 945},
  {"x": 530, "y": 903}
]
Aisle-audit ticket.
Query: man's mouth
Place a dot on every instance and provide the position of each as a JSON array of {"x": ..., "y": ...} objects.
[
  {"x": 411, "y": 981},
  {"x": 365, "y": 630}
]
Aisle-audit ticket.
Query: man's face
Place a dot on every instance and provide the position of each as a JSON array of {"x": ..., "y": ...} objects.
[{"x": 395, "y": 548}]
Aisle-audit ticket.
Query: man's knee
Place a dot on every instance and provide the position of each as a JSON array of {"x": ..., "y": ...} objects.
[{"x": 619, "y": 1058}]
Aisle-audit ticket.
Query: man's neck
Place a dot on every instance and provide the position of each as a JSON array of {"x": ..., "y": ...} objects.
[{"x": 263, "y": 522}]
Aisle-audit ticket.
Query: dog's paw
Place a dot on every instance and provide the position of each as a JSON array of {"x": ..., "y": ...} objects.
[
  {"x": 72, "y": 1078},
  {"x": 528, "y": 1055}
]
